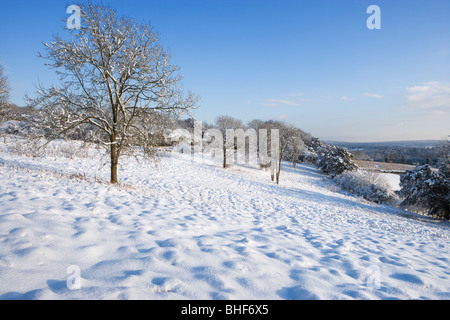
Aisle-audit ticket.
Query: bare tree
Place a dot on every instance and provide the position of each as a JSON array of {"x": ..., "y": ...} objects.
[
  {"x": 295, "y": 145},
  {"x": 115, "y": 77},
  {"x": 4, "y": 87},
  {"x": 287, "y": 137},
  {"x": 226, "y": 125},
  {"x": 4, "y": 94},
  {"x": 261, "y": 146}
]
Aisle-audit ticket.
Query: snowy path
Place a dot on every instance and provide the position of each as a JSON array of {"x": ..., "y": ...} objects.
[{"x": 184, "y": 230}]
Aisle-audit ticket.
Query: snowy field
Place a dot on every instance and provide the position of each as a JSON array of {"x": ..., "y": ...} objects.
[
  {"x": 180, "y": 229},
  {"x": 392, "y": 179}
]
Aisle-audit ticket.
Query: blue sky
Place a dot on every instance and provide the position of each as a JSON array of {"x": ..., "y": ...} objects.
[{"x": 313, "y": 63}]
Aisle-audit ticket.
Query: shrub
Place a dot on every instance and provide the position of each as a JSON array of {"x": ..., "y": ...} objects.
[
  {"x": 21, "y": 128},
  {"x": 334, "y": 160},
  {"x": 369, "y": 185},
  {"x": 427, "y": 189},
  {"x": 307, "y": 156}
]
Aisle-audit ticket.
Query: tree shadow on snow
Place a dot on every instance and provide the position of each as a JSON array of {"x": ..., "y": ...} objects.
[{"x": 296, "y": 293}]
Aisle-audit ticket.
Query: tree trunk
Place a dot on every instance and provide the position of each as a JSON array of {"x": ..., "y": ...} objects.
[
  {"x": 114, "y": 162},
  {"x": 224, "y": 156},
  {"x": 114, "y": 172},
  {"x": 278, "y": 167},
  {"x": 272, "y": 169},
  {"x": 278, "y": 174}
]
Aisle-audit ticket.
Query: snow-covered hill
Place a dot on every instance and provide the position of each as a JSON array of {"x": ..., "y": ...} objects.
[{"x": 180, "y": 229}]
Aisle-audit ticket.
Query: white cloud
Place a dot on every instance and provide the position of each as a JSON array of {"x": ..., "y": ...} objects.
[
  {"x": 345, "y": 98},
  {"x": 279, "y": 103},
  {"x": 373, "y": 95},
  {"x": 431, "y": 95}
]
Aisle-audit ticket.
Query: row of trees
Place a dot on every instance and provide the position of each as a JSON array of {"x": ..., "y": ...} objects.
[
  {"x": 267, "y": 142},
  {"x": 291, "y": 141}
]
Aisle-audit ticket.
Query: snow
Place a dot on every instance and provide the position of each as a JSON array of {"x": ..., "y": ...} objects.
[
  {"x": 392, "y": 179},
  {"x": 182, "y": 229}
]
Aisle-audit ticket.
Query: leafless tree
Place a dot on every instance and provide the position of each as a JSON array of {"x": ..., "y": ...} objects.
[
  {"x": 287, "y": 137},
  {"x": 226, "y": 125},
  {"x": 261, "y": 146},
  {"x": 115, "y": 77},
  {"x": 4, "y": 94},
  {"x": 295, "y": 146},
  {"x": 4, "y": 87}
]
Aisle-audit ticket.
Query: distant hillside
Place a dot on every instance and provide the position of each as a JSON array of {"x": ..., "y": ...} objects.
[
  {"x": 403, "y": 144},
  {"x": 412, "y": 152}
]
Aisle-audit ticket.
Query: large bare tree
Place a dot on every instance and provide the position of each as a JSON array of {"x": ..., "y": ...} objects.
[{"x": 115, "y": 77}]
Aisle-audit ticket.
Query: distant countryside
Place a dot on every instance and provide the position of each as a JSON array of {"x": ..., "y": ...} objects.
[{"x": 412, "y": 153}]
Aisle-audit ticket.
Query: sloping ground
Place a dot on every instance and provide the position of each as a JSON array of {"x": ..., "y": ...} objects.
[{"x": 181, "y": 229}]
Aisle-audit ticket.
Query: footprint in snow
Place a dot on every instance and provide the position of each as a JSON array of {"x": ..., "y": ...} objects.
[
  {"x": 392, "y": 261},
  {"x": 169, "y": 243},
  {"x": 407, "y": 277}
]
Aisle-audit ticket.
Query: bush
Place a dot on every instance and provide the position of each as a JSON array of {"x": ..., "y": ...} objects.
[
  {"x": 334, "y": 160},
  {"x": 25, "y": 123},
  {"x": 369, "y": 185},
  {"x": 427, "y": 189},
  {"x": 307, "y": 156}
]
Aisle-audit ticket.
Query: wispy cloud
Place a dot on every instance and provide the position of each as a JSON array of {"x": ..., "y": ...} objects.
[
  {"x": 431, "y": 95},
  {"x": 345, "y": 98},
  {"x": 279, "y": 103},
  {"x": 373, "y": 95}
]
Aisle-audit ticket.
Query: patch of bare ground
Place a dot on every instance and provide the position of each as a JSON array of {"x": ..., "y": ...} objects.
[{"x": 383, "y": 166}]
